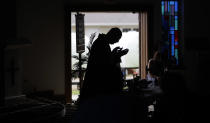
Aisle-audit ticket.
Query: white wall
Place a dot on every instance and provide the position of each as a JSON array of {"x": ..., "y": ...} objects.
[
  {"x": 129, "y": 40},
  {"x": 108, "y": 18},
  {"x": 101, "y": 22},
  {"x": 129, "y": 4}
]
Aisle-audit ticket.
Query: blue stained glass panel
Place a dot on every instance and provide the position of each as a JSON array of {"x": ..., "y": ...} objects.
[
  {"x": 172, "y": 21},
  {"x": 176, "y": 6},
  {"x": 172, "y": 50},
  {"x": 171, "y": 28},
  {"x": 162, "y": 8},
  {"x": 168, "y": 6},
  {"x": 172, "y": 45},
  {"x": 172, "y": 10},
  {"x": 176, "y": 24},
  {"x": 172, "y": 32},
  {"x": 171, "y": 2},
  {"x": 163, "y": 19},
  {"x": 176, "y": 56},
  {"x": 169, "y": 10},
  {"x": 172, "y": 38},
  {"x": 176, "y": 43}
]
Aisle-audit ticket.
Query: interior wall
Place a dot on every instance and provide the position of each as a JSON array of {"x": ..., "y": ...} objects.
[
  {"x": 196, "y": 52},
  {"x": 196, "y": 25},
  {"x": 13, "y": 73},
  {"x": 110, "y": 2},
  {"x": 8, "y": 29},
  {"x": 196, "y": 18},
  {"x": 42, "y": 22}
]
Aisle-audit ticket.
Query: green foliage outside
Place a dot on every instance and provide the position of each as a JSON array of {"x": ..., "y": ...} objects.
[{"x": 75, "y": 92}]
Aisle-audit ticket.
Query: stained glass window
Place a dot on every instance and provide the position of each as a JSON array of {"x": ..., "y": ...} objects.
[{"x": 170, "y": 27}]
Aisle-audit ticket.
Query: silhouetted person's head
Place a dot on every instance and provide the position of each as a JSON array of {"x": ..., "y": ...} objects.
[
  {"x": 114, "y": 35},
  {"x": 157, "y": 56},
  {"x": 155, "y": 68}
]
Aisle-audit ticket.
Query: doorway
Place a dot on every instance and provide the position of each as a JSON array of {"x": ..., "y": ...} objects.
[{"x": 134, "y": 28}]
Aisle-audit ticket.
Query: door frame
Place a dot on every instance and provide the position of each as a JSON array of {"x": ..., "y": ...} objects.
[{"x": 70, "y": 9}]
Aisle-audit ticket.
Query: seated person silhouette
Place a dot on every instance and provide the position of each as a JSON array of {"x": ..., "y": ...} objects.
[
  {"x": 171, "y": 104},
  {"x": 103, "y": 75},
  {"x": 154, "y": 70}
]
